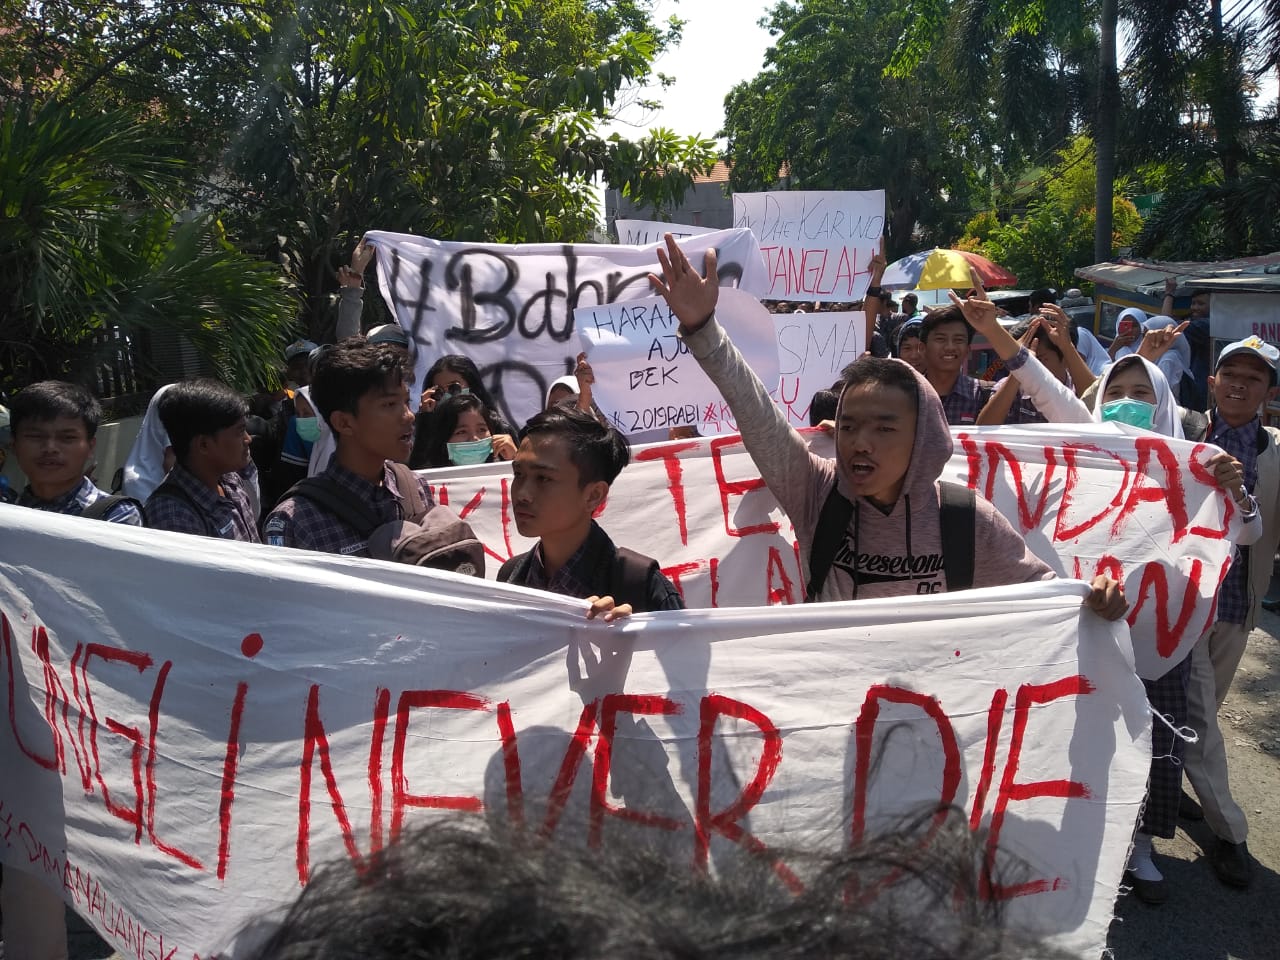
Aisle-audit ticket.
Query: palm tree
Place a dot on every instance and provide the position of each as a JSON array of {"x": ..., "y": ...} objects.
[{"x": 90, "y": 243}]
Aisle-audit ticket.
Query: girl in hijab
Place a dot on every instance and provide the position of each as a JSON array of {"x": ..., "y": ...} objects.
[{"x": 1132, "y": 391}]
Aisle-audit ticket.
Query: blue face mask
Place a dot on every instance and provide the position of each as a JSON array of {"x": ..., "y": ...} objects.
[
  {"x": 308, "y": 429},
  {"x": 1136, "y": 413},
  {"x": 470, "y": 452}
]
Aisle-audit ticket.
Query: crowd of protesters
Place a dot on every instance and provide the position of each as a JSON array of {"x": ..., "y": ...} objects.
[{"x": 329, "y": 463}]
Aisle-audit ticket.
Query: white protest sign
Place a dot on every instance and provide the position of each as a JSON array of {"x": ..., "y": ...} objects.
[
  {"x": 813, "y": 348},
  {"x": 1088, "y": 498},
  {"x": 179, "y": 759},
  {"x": 646, "y": 379},
  {"x": 652, "y": 231},
  {"x": 817, "y": 244},
  {"x": 511, "y": 308}
]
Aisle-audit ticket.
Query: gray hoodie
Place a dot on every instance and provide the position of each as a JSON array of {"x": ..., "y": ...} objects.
[{"x": 892, "y": 554}]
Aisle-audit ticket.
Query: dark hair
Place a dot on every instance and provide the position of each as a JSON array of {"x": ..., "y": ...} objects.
[
  {"x": 910, "y": 296},
  {"x": 454, "y": 890},
  {"x": 198, "y": 408},
  {"x": 465, "y": 367},
  {"x": 348, "y": 370},
  {"x": 937, "y": 318},
  {"x": 433, "y": 430},
  {"x": 912, "y": 328},
  {"x": 1040, "y": 297},
  {"x": 1042, "y": 335},
  {"x": 823, "y": 406},
  {"x": 50, "y": 399},
  {"x": 884, "y": 372},
  {"x": 598, "y": 451}
]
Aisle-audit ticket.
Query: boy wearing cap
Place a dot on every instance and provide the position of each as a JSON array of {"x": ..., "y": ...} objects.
[
  {"x": 1244, "y": 379},
  {"x": 361, "y": 390},
  {"x": 54, "y": 425}
]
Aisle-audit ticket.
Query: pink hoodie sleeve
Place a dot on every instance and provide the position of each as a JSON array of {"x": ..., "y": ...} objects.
[{"x": 1002, "y": 556}]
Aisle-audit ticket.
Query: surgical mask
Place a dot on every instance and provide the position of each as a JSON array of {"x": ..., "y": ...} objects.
[
  {"x": 470, "y": 452},
  {"x": 1136, "y": 413},
  {"x": 308, "y": 429}
]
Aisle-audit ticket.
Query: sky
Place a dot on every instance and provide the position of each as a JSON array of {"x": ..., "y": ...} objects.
[{"x": 723, "y": 45}]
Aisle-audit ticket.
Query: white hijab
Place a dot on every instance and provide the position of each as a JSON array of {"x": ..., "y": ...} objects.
[
  {"x": 144, "y": 467},
  {"x": 1168, "y": 418}
]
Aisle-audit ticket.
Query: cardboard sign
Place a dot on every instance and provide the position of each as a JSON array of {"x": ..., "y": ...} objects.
[
  {"x": 813, "y": 348},
  {"x": 181, "y": 756},
  {"x": 817, "y": 244},
  {"x": 653, "y": 231},
  {"x": 646, "y": 379}
]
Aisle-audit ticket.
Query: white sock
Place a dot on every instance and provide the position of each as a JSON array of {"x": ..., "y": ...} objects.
[{"x": 1140, "y": 863}]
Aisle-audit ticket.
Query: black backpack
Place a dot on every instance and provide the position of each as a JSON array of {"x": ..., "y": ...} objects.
[
  {"x": 957, "y": 516},
  {"x": 628, "y": 577},
  {"x": 99, "y": 509}
]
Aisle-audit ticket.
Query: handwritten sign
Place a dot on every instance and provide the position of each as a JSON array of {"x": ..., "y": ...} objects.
[
  {"x": 646, "y": 378},
  {"x": 176, "y": 775},
  {"x": 1091, "y": 499},
  {"x": 511, "y": 308},
  {"x": 813, "y": 348},
  {"x": 653, "y": 231},
  {"x": 817, "y": 244}
]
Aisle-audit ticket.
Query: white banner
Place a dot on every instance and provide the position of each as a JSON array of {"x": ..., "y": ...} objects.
[
  {"x": 652, "y": 231},
  {"x": 1088, "y": 499},
  {"x": 190, "y": 733},
  {"x": 511, "y": 308},
  {"x": 1235, "y": 316},
  {"x": 817, "y": 244},
  {"x": 646, "y": 379}
]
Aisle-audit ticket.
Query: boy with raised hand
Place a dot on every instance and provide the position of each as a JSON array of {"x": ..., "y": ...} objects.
[
  {"x": 362, "y": 392},
  {"x": 563, "y": 470},
  {"x": 54, "y": 427},
  {"x": 209, "y": 491},
  {"x": 892, "y": 443}
]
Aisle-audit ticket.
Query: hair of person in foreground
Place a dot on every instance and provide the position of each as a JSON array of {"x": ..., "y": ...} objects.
[{"x": 455, "y": 890}]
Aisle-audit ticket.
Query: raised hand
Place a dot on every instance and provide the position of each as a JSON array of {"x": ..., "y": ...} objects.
[{"x": 691, "y": 297}]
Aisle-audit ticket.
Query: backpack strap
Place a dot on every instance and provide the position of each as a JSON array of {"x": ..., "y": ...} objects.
[
  {"x": 170, "y": 489},
  {"x": 325, "y": 493},
  {"x": 957, "y": 518},
  {"x": 629, "y": 578},
  {"x": 411, "y": 502},
  {"x": 99, "y": 509},
  {"x": 833, "y": 522}
]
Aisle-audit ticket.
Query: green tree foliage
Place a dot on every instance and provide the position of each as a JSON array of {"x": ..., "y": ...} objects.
[
  {"x": 304, "y": 124},
  {"x": 824, "y": 112},
  {"x": 89, "y": 245},
  {"x": 1055, "y": 235}
]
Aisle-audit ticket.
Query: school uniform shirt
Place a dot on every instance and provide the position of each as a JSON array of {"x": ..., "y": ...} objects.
[
  {"x": 1234, "y": 601},
  {"x": 588, "y": 573},
  {"x": 299, "y": 522},
  {"x": 965, "y": 401},
  {"x": 74, "y": 502},
  {"x": 192, "y": 507}
]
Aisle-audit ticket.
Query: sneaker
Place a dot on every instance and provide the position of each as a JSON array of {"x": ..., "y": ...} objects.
[
  {"x": 1152, "y": 892},
  {"x": 1188, "y": 809},
  {"x": 1231, "y": 862}
]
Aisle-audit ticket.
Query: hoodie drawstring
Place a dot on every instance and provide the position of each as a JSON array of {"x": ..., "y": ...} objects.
[{"x": 857, "y": 527}]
